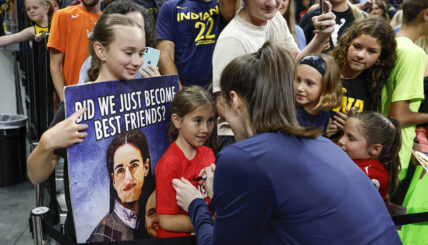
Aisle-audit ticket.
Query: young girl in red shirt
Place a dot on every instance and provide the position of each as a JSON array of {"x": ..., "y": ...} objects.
[
  {"x": 373, "y": 141},
  {"x": 193, "y": 120}
]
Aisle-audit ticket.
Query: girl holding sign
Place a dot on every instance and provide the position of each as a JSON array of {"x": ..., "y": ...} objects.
[{"x": 116, "y": 55}]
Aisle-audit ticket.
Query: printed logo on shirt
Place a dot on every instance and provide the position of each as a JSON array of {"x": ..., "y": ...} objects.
[
  {"x": 335, "y": 34},
  {"x": 74, "y": 16},
  {"x": 205, "y": 24},
  {"x": 88, "y": 33},
  {"x": 154, "y": 10},
  {"x": 376, "y": 183},
  {"x": 349, "y": 102},
  {"x": 201, "y": 189}
]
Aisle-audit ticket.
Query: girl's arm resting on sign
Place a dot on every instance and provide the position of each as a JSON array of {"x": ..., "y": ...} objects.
[
  {"x": 400, "y": 111},
  {"x": 22, "y": 36},
  {"x": 175, "y": 222},
  {"x": 42, "y": 160}
]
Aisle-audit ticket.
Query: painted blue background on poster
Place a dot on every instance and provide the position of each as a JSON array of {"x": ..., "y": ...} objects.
[{"x": 147, "y": 107}]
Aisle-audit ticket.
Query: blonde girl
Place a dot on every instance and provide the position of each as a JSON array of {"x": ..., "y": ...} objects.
[
  {"x": 318, "y": 89},
  {"x": 39, "y": 12}
]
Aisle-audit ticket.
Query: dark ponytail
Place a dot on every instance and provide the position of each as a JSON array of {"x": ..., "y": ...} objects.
[
  {"x": 378, "y": 129},
  {"x": 265, "y": 79}
]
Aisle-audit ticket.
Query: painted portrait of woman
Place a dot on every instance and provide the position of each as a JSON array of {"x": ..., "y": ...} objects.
[{"x": 131, "y": 183}]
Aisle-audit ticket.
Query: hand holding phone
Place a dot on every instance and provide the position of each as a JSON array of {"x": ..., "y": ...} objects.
[
  {"x": 324, "y": 23},
  {"x": 322, "y": 7},
  {"x": 151, "y": 57}
]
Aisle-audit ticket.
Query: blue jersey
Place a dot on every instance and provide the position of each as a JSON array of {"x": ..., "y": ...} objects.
[
  {"x": 275, "y": 188},
  {"x": 319, "y": 120},
  {"x": 194, "y": 27}
]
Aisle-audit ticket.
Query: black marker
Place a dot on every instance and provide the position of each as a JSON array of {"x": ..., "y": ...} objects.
[{"x": 203, "y": 177}]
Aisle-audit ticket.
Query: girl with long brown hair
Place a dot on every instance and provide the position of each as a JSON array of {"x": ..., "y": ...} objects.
[{"x": 365, "y": 54}]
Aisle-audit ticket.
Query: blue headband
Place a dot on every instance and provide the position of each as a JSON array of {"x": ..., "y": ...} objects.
[{"x": 314, "y": 61}]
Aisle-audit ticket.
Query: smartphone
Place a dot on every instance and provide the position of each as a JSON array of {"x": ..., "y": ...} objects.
[
  {"x": 151, "y": 57},
  {"x": 322, "y": 6}
]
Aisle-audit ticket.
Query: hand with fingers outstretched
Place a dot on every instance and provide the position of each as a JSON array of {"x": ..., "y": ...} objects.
[
  {"x": 66, "y": 133},
  {"x": 42, "y": 160}
]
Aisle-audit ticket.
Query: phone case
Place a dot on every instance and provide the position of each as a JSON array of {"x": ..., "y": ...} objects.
[
  {"x": 151, "y": 57},
  {"x": 322, "y": 7}
]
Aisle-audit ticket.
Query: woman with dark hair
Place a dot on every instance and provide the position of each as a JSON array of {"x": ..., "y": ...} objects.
[
  {"x": 128, "y": 166},
  {"x": 280, "y": 183}
]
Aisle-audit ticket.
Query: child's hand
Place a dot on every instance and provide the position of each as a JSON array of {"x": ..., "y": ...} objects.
[
  {"x": 39, "y": 37},
  {"x": 340, "y": 120},
  {"x": 186, "y": 192},
  {"x": 66, "y": 133},
  {"x": 209, "y": 181},
  {"x": 331, "y": 129},
  {"x": 150, "y": 72}
]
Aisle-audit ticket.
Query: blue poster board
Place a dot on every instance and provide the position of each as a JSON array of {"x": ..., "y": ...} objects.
[{"x": 112, "y": 108}]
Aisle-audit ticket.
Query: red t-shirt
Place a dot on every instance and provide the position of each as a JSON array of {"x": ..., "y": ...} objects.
[
  {"x": 377, "y": 174},
  {"x": 172, "y": 165}
]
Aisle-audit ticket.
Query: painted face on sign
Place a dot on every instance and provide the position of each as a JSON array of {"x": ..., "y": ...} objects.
[
  {"x": 129, "y": 171},
  {"x": 152, "y": 219}
]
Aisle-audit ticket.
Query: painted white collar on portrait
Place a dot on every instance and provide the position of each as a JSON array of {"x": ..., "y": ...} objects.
[{"x": 127, "y": 216}]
